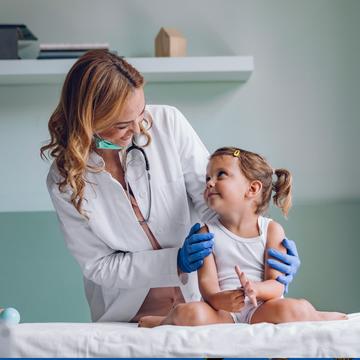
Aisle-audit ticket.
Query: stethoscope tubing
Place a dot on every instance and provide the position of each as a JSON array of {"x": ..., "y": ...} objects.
[{"x": 147, "y": 168}]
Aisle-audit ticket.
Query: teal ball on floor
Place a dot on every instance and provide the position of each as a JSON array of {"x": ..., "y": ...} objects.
[{"x": 10, "y": 316}]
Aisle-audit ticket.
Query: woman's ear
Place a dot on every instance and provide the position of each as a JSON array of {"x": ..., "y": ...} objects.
[{"x": 254, "y": 189}]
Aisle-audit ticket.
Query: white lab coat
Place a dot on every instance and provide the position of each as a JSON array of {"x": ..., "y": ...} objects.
[{"x": 117, "y": 260}]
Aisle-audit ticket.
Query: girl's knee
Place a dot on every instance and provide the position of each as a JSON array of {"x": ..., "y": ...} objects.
[
  {"x": 190, "y": 314},
  {"x": 306, "y": 310},
  {"x": 295, "y": 310}
]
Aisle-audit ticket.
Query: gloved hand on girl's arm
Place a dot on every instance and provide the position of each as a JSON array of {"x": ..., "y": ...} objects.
[
  {"x": 288, "y": 263},
  {"x": 195, "y": 248}
]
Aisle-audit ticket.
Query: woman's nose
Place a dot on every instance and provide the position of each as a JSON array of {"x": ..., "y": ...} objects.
[{"x": 136, "y": 126}]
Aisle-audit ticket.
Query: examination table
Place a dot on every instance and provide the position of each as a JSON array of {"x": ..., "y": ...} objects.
[{"x": 331, "y": 339}]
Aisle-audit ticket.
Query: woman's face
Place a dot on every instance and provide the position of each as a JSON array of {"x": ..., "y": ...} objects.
[{"x": 127, "y": 123}]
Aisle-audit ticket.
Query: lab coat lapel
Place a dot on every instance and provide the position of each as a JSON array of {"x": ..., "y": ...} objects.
[{"x": 117, "y": 212}]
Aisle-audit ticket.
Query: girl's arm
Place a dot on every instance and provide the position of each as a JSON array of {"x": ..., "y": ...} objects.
[
  {"x": 270, "y": 288},
  {"x": 229, "y": 300}
]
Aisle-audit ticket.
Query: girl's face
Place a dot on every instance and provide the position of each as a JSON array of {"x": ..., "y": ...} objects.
[
  {"x": 127, "y": 124},
  {"x": 226, "y": 186}
]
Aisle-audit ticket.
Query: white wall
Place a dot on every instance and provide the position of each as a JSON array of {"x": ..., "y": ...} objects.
[{"x": 300, "y": 108}]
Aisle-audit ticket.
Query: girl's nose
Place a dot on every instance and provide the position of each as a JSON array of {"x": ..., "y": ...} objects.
[{"x": 210, "y": 183}]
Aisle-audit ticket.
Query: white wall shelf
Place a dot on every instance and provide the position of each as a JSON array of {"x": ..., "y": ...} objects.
[{"x": 212, "y": 68}]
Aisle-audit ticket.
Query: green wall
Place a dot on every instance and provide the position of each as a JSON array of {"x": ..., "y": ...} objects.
[
  {"x": 327, "y": 239},
  {"x": 43, "y": 282},
  {"x": 38, "y": 276},
  {"x": 300, "y": 109}
]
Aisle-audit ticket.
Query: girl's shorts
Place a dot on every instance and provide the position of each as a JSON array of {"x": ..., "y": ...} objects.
[{"x": 246, "y": 313}]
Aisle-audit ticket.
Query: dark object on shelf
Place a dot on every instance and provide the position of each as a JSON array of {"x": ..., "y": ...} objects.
[
  {"x": 23, "y": 33},
  {"x": 10, "y": 34},
  {"x": 8, "y": 44},
  {"x": 60, "y": 54},
  {"x": 68, "y": 50}
]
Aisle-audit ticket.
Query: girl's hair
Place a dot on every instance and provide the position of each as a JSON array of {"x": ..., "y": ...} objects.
[
  {"x": 94, "y": 92},
  {"x": 255, "y": 167}
]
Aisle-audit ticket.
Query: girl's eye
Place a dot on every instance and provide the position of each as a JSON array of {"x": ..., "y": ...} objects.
[
  {"x": 221, "y": 173},
  {"x": 121, "y": 127},
  {"x": 207, "y": 179}
]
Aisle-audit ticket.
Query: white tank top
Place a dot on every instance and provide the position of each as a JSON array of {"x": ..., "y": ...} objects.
[{"x": 231, "y": 250}]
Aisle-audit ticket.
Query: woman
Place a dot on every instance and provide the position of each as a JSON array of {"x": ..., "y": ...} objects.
[{"x": 126, "y": 229}]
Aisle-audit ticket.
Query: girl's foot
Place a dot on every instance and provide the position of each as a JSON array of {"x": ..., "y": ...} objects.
[
  {"x": 150, "y": 321},
  {"x": 330, "y": 315}
]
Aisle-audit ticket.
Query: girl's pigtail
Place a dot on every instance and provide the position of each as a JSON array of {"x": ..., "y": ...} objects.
[{"x": 282, "y": 188}]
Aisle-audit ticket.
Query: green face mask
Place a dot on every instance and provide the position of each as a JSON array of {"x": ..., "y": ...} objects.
[{"x": 101, "y": 143}]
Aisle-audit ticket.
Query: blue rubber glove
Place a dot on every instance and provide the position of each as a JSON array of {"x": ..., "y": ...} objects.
[
  {"x": 195, "y": 248},
  {"x": 288, "y": 263}
]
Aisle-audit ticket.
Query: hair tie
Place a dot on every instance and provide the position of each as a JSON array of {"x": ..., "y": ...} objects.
[
  {"x": 273, "y": 176},
  {"x": 236, "y": 153}
]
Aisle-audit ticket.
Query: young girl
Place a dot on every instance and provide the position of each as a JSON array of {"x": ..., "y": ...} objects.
[{"x": 239, "y": 185}]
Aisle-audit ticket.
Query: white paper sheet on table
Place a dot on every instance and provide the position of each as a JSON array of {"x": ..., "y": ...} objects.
[{"x": 305, "y": 339}]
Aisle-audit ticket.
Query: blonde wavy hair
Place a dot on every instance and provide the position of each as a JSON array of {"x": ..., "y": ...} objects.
[
  {"x": 94, "y": 92},
  {"x": 255, "y": 167}
]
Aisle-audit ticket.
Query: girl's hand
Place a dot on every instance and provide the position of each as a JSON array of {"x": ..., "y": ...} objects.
[
  {"x": 229, "y": 300},
  {"x": 248, "y": 287}
]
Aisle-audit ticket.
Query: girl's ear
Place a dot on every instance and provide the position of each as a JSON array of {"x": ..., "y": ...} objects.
[{"x": 254, "y": 189}]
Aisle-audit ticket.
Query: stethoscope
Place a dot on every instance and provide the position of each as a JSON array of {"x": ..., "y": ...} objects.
[{"x": 147, "y": 168}]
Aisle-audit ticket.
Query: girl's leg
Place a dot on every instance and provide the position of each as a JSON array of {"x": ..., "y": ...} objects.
[
  {"x": 330, "y": 315},
  {"x": 190, "y": 314},
  {"x": 150, "y": 321},
  {"x": 287, "y": 310}
]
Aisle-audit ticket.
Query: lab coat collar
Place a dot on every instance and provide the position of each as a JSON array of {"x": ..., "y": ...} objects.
[{"x": 95, "y": 159}]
